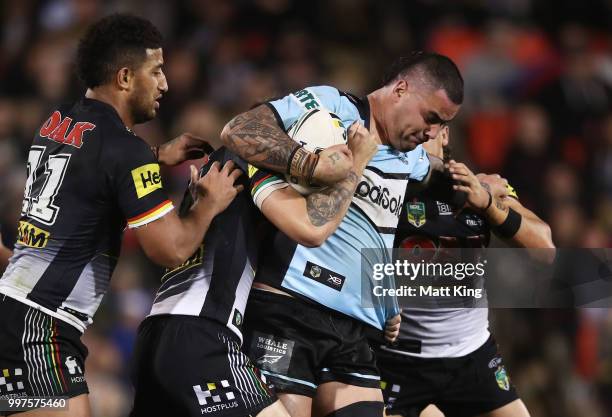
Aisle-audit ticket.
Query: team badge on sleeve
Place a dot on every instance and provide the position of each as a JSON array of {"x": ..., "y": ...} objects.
[{"x": 146, "y": 179}]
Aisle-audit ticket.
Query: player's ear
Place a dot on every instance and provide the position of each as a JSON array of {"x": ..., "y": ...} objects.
[
  {"x": 400, "y": 88},
  {"x": 445, "y": 135},
  {"x": 124, "y": 78}
]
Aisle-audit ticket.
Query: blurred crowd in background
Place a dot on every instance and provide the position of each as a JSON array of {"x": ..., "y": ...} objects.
[{"x": 538, "y": 110}]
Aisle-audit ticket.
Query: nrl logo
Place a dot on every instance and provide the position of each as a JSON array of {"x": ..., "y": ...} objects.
[
  {"x": 416, "y": 214},
  {"x": 315, "y": 271}
]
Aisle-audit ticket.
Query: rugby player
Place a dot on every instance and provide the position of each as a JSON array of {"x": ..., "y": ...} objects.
[
  {"x": 198, "y": 312},
  {"x": 447, "y": 356},
  {"x": 305, "y": 325},
  {"x": 88, "y": 175}
]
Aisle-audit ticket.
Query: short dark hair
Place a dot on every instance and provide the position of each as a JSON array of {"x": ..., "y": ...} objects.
[
  {"x": 438, "y": 71},
  {"x": 116, "y": 41}
]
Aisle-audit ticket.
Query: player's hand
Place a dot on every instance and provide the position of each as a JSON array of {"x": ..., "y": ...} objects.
[
  {"x": 217, "y": 188},
  {"x": 334, "y": 165},
  {"x": 495, "y": 183},
  {"x": 362, "y": 144},
  {"x": 478, "y": 197},
  {"x": 182, "y": 148},
  {"x": 392, "y": 328}
]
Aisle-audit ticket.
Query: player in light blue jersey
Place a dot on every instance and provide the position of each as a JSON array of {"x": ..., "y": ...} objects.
[{"x": 306, "y": 325}]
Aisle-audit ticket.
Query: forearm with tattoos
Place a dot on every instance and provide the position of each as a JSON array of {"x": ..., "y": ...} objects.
[
  {"x": 256, "y": 137},
  {"x": 326, "y": 205}
]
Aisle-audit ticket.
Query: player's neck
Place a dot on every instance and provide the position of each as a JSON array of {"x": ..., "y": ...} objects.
[
  {"x": 375, "y": 126},
  {"x": 102, "y": 94}
]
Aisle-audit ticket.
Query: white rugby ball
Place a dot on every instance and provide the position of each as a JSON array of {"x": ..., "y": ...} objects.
[{"x": 315, "y": 130}]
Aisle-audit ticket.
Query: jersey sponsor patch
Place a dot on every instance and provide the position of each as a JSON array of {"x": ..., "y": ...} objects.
[
  {"x": 380, "y": 196},
  {"x": 58, "y": 129},
  {"x": 193, "y": 260},
  {"x": 511, "y": 191},
  {"x": 146, "y": 179},
  {"x": 271, "y": 353},
  {"x": 307, "y": 99},
  {"x": 324, "y": 276},
  {"x": 32, "y": 236}
]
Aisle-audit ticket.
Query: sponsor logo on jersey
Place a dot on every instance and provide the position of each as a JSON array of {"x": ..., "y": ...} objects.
[
  {"x": 252, "y": 170},
  {"x": 146, "y": 179},
  {"x": 501, "y": 376},
  {"x": 324, "y": 276},
  {"x": 273, "y": 353},
  {"x": 269, "y": 359},
  {"x": 74, "y": 369},
  {"x": 237, "y": 318},
  {"x": 511, "y": 191},
  {"x": 307, "y": 99},
  {"x": 416, "y": 213},
  {"x": 32, "y": 236},
  {"x": 11, "y": 383},
  {"x": 215, "y": 396},
  {"x": 473, "y": 220},
  {"x": 444, "y": 209},
  {"x": 193, "y": 260},
  {"x": 58, "y": 129},
  {"x": 381, "y": 196}
]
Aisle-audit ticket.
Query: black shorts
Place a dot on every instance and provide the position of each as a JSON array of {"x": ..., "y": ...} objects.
[
  {"x": 192, "y": 366},
  {"x": 299, "y": 345},
  {"x": 460, "y": 387},
  {"x": 40, "y": 355}
]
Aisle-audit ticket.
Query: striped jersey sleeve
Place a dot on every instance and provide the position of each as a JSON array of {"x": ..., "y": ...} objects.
[
  {"x": 263, "y": 183},
  {"x": 138, "y": 184}
]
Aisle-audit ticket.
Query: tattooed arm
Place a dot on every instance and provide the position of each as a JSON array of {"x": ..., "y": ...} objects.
[
  {"x": 256, "y": 137},
  {"x": 311, "y": 220}
]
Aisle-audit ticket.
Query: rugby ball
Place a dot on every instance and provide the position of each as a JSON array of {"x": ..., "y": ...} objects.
[{"x": 315, "y": 130}]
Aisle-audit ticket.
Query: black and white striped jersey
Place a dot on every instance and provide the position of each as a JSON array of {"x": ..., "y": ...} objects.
[
  {"x": 87, "y": 176},
  {"x": 215, "y": 281}
]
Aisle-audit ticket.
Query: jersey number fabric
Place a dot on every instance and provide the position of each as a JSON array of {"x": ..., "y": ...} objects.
[{"x": 38, "y": 203}]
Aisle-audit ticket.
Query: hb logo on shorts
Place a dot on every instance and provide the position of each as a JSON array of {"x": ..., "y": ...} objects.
[
  {"x": 8, "y": 386},
  {"x": 213, "y": 392}
]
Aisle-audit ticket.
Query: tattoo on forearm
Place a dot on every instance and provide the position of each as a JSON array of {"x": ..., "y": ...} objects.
[
  {"x": 256, "y": 137},
  {"x": 334, "y": 157},
  {"x": 500, "y": 205},
  {"x": 486, "y": 186},
  {"x": 323, "y": 206}
]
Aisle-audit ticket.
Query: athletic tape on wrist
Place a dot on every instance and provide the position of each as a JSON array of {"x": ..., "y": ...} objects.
[{"x": 510, "y": 226}]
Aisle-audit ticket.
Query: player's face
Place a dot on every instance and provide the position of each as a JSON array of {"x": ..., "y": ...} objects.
[
  {"x": 436, "y": 145},
  {"x": 149, "y": 85},
  {"x": 417, "y": 115}
]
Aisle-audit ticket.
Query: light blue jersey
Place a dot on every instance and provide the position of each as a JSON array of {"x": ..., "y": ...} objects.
[{"x": 331, "y": 275}]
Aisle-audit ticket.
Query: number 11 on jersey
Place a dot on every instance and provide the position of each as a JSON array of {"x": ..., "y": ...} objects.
[{"x": 42, "y": 187}]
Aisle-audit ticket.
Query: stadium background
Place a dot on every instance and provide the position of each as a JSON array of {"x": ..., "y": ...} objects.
[{"x": 538, "y": 110}]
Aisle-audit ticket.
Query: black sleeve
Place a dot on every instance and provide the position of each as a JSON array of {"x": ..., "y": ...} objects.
[{"x": 136, "y": 179}]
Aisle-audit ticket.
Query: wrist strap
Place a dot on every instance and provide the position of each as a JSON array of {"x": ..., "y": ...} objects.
[
  {"x": 490, "y": 201},
  {"x": 510, "y": 226},
  {"x": 302, "y": 164}
]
